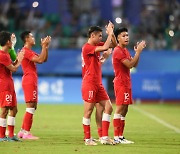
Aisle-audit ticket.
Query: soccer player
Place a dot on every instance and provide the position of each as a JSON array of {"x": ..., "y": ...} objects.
[
  {"x": 29, "y": 79},
  {"x": 92, "y": 89},
  {"x": 99, "y": 107},
  {"x": 8, "y": 102},
  {"x": 122, "y": 63}
]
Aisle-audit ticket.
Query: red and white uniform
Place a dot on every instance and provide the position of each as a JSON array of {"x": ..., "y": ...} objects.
[
  {"x": 30, "y": 78},
  {"x": 92, "y": 89},
  {"x": 7, "y": 92},
  {"x": 122, "y": 80}
]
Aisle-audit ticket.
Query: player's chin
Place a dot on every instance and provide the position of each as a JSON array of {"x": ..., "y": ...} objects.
[
  {"x": 99, "y": 41},
  {"x": 126, "y": 42}
]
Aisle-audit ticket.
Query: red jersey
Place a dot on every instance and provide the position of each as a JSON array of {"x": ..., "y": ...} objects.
[
  {"x": 29, "y": 68},
  {"x": 122, "y": 73},
  {"x": 6, "y": 80},
  {"x": 91, "y": 65}
]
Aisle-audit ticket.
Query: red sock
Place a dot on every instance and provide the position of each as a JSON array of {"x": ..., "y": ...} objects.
[
  {"x": 122, "y": 124},
  {"x": 23, "y": 124},
  {"x": 27, "y": 122},
  {"x": 105, "y": 128},
  {"x": 100, "y": 132},
  {"x": 2, "y": 132},
  {"x": 87, "y": 133},
  {"x": 11, "y": 130},
  {"x": 116, "y": 123}
]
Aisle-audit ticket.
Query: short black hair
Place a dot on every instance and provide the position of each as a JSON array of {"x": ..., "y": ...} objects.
[
  {"x": 4, "y": 37},
  {"x": 119, "y": 31},
  {"x": 94, "y": 29},
  {"x": 24, "y": 35}
]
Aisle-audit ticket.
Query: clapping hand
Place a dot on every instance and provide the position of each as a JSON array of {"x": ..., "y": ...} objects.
[
  {"x": 46, "y": 41},
  {"x": 109, "y": 28},
  {"x": 140, "y": 46}
]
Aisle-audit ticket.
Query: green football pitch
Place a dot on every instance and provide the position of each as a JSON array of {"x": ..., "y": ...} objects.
[{"x": 155, "y": 129}]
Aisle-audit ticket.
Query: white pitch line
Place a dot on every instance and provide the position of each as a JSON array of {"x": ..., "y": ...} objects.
[{"x": 177, "y": 130}]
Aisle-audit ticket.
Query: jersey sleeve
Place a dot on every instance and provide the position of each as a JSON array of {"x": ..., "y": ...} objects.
[
  {"x": 5, "y": 60},
  {"x": 122, "y": 55},
  {"x": 90, "y": 49},
  {"x": 119, "y": 54},
  {"x": 29, "y": 54}
]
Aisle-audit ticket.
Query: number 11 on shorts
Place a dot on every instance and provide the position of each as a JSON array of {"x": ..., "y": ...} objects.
[{"x": 90, "y": 95}]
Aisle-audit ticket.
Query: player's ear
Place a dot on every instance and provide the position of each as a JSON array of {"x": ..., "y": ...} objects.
[
  {"x": 9, "y": 42},
  {"x": 92, "y": 35}
]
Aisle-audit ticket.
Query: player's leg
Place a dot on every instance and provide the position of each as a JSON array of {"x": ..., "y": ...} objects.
[
  {"x": 28, "y": 117},
  {"x": 6, "y": 101},
  {"x": 116, "y": 123},
  {"x": 88, "y": 109},
  {"x": 27, "y": 121},
  {"x": 30, "y": 92},
  {"x": 11, "y": 116},
  {"x": 104, "y": 100},
  {"x": 3, "y": 123},
  {"x": 89, "y": 97},
  {"x": 98, "y": 116},
  {"x": 119, "y": 121},
  {"x": 123, "y": 109},
  {"x": 11, "y": 123},
  {"x": 123, "y": 99},
  {"x": 106, "y": 118}
]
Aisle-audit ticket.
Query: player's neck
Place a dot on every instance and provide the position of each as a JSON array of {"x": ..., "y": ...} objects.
[
  {"x": 28, "y": 46},
  {"x": 90, "y": 42},
  {"x": 122, "y": 45},
  {"x": 5, "y": 49}
]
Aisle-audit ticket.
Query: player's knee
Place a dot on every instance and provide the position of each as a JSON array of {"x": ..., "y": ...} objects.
[
  {"x": 88, "y": 114},
  {"x": 14, "y": 112},
  {"x": 109, "y": 109},
  {"x": 4, "y": 113}
]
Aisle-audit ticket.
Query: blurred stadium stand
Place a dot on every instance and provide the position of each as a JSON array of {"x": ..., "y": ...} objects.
[
  {"x": 156, "y": 21},
  {"x": 67, "y": 21}
]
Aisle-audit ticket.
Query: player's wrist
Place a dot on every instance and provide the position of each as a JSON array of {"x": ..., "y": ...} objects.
[{"x": 137, "y": 53}]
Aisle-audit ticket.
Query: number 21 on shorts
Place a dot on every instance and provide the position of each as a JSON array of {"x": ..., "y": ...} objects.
[{"x": 8, "y": 98}]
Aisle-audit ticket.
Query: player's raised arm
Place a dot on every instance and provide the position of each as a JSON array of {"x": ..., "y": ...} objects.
[
  {"x": 47, "y": 47},
  {"x": 138, "y": 49},
  {"x": 109, "y": 31},
  {"x": 42, "y": 57},
  {"x": 113, "y": 40},
  {"x": 139, "y": 57}
]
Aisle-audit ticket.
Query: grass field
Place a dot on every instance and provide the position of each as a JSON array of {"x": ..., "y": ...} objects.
[{"x": 155, "y": 128}]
